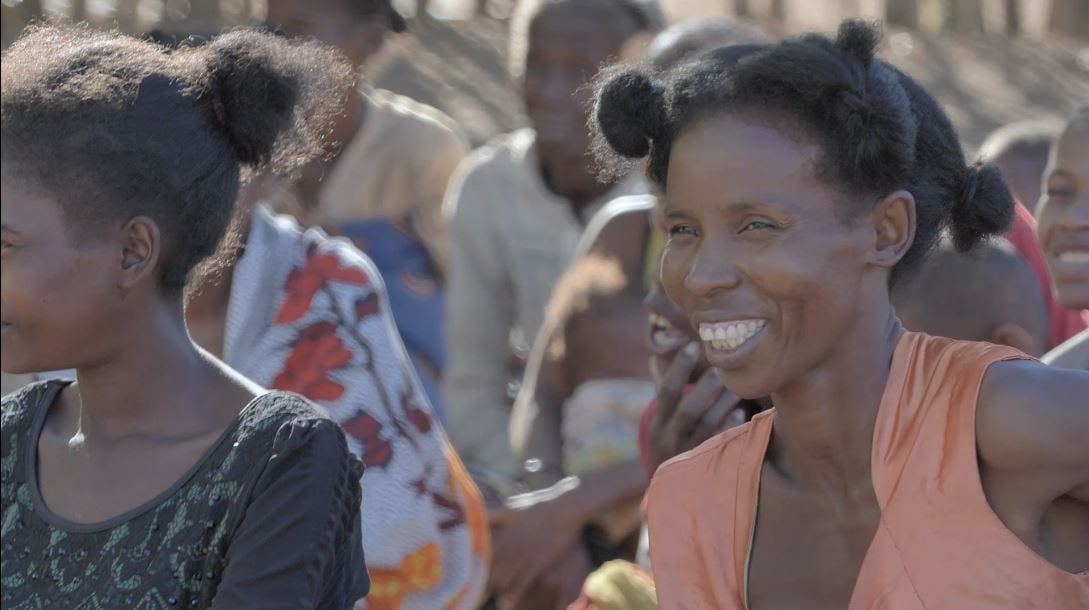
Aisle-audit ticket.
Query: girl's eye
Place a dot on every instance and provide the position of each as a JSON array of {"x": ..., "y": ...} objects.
[
  {"x": 1060, "y": 193},
  {"x": 681, "y": 229}
]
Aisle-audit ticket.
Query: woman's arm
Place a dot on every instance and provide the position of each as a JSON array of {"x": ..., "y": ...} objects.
[{"x": 1032, "y": 425}]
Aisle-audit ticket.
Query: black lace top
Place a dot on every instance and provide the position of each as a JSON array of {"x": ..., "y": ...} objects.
[{"x": 268, "y": 518}]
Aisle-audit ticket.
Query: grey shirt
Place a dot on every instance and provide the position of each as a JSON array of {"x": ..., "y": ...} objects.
[{"x": 511, "y": 239}]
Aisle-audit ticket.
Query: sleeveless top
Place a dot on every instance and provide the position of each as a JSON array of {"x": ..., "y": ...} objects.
[{"x": 938, "y": 544}]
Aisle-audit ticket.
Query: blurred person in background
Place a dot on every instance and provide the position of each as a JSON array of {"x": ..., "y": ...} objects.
[
  {"x": 1020, "y": 152},
  {"x": 1064, "y": 230},
  {"x": 599, "y": 338},
  {"x": 382, "y": 184},
  {"x": 297, "y": 311},
  {"x": 517, "y": 208},
  {"x": 990, "y": 295}
]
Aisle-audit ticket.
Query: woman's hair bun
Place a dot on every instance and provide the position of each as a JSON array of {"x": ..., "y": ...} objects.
[
  {"x": 859, "y": 39},
  {"x": 985, "y": 207},
  {"x": 630, "y": 112},
  {"x": 265, "y": 88}
]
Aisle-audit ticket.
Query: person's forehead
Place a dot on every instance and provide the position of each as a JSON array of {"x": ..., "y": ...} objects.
[
  {"x": 587, "y": 29},
  {"x": 26, "y": 207}
]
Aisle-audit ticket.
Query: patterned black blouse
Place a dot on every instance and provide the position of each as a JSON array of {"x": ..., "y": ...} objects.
[{"x": 268, "y": 518}]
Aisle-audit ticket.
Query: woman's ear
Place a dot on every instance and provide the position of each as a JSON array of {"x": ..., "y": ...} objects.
[
  {"x": 140, "y": 248},
  {"x": 894, "y": 228}
]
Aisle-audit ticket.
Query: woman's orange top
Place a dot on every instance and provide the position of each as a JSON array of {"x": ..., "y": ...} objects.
[{"x": 939, "y": 545}]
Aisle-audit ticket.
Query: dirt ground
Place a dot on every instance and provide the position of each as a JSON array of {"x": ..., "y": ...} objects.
[{"x": 983, "y": 81}]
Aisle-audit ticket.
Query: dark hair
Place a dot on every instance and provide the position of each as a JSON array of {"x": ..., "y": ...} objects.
[
  {"x": 593, "y": 289},
  {"x": 114, "y": 127},
  {"x": 878, "y": 130},
  {"x": 970, "y": 296}
]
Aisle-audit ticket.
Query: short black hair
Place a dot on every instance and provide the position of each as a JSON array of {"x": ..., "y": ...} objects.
[
  {"x": 878, "y": 130},
  {"x": 968, "y": 297},
  {"x": 114, "y": 127}
]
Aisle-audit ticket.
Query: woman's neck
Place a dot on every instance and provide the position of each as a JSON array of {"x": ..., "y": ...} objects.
[
  {"x": 824, "y": 423},
  {"x": 152, "y": 385}
]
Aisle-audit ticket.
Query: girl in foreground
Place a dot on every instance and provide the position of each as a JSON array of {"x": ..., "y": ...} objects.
[
  {"x": 161, "y": 478},
  {"x": 896, "y": 469}
]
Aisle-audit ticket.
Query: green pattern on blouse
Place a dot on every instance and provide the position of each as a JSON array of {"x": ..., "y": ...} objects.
[{"x": 168, "y": 553}]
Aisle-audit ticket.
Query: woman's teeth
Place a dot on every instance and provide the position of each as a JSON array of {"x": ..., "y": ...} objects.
[{"x": 730, "y": 335}]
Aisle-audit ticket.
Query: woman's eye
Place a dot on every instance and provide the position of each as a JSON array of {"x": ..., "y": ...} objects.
[
  {"x": 1060, "y": 193},
  {"x": 757, "y": 225}
]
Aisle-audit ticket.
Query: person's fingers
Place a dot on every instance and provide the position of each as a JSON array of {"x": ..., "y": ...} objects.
[
  {"x": 695, "y": 405},
  {"x": 725, "y": 404},
  {"x": 672, "y": 388}
]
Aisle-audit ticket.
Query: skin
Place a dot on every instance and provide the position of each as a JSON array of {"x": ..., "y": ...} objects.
[
  {"x": 755, "y": 234},
  {"x": 551, "y": 523},
  {"x": 1022, "y": 174},
  {"x": 1063, "y": 216},
  {"x": 148, "y": 402},
  {"x": 567, "y": 46}
]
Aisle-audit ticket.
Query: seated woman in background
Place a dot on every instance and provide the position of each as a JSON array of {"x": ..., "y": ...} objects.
[
  {"x": 300, "y": 312},
  {"x": 161, "y": 476},
  {"x": 896, "y": 468},
  {"x": 598, "y": 369},
  {"x": 1064, "y": 230}
]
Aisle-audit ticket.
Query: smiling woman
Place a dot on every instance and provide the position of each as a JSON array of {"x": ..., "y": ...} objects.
[{"x": 798, "y": 185}]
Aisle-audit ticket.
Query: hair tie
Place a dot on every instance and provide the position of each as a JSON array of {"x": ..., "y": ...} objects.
[
  {"x": 219, "y": 110},
  {"x": 971, "y": 185}
]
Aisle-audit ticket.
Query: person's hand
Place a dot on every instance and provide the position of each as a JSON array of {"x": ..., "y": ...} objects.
[
  {"x": 686, "y": 418},
  {"x": 529, "y": 537}
]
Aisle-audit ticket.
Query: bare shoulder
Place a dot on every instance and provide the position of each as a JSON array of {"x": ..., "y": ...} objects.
[{"x": 1031, "y": 417}]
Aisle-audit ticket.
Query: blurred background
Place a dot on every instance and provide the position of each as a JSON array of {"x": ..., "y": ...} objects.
[{"x": 990, "y": 62}]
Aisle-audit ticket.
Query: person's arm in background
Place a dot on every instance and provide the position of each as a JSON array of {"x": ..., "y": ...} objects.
[
  {"x": 617, "y": 231},
  {"x": 479, "y": 316},
  {"x": 439, "y": 158},
  {"x": 537, "y": 418}
]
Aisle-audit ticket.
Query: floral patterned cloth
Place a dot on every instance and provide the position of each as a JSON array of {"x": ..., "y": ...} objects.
[{"x": 309, "y": 314}]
